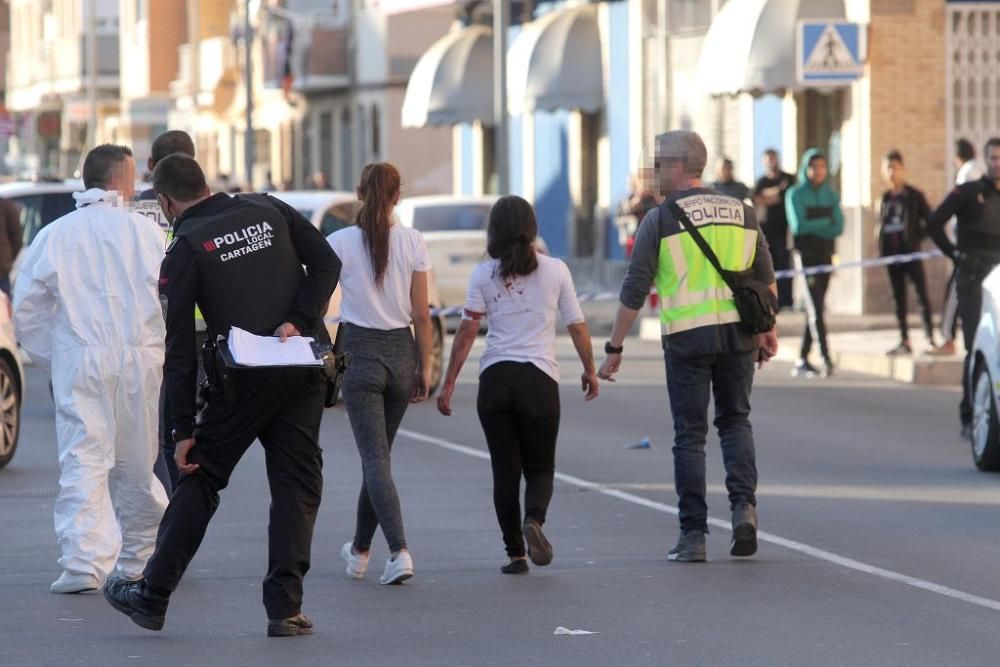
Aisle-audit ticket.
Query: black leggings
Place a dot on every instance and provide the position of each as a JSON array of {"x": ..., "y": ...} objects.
[
  {"x": 897, "y": 278},
  {"x": 519, "y": 410}
]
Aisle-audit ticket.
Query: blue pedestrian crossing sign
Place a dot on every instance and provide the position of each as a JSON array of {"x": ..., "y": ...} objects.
[{"x": 830, "y": 53}]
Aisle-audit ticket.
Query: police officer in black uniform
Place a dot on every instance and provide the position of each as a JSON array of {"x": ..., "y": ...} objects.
[
  {"x": 240, "y": 259},
  {"x": 976, "y": 207}
]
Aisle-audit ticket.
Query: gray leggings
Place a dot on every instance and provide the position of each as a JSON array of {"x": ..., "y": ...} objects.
[{"x": 377, "y": 390}]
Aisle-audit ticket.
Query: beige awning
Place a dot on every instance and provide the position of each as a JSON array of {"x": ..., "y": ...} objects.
[
  {"x": 555, "y": 63},
  {"x": 750, "y": 46},
  {"x": 452, "y": 82}
]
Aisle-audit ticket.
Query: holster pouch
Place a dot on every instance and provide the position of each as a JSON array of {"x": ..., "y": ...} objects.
[{"x": 219, "y": 375}]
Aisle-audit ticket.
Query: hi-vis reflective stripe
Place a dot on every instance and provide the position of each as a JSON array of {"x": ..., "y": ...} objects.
[{"x": 708, "y": 319}]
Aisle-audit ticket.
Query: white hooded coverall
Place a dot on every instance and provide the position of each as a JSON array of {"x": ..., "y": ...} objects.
[{"x": 86, "y": 306}]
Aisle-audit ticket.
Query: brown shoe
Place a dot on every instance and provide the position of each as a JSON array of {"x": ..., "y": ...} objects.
[{"x": 943, "y": 350}]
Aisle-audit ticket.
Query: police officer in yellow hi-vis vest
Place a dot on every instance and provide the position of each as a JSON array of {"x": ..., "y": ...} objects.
[{"x": 705, "y": 349}]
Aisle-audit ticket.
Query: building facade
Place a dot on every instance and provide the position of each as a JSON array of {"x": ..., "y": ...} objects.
[{"x": 50, "y": 80}]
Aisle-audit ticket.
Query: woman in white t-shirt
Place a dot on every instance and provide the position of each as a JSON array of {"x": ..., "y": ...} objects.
[
  {"x": 384, "y": 289},
  {"x": 520, "y": 293}
]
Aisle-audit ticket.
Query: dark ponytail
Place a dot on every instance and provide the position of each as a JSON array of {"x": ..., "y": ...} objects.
[
  {"x": 378, "y": 191},
  {"x": 511, "y": 236}
]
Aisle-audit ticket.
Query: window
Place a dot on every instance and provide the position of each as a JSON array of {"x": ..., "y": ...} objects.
[
  {"x": 973, "y": 73},
  {"x": 326, "y": 144},
  {"x": 446, "y": 218},
  {"x": 41, "y": 209},
  {"x": 689, "y": 15},
  {"x": 338, "y": 217},
  {"x": 346, "y": 151},
  {"x": 376, "y": 133}
]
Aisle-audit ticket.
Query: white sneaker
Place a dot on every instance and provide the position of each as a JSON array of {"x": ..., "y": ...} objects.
[
  {"x": 399, "y": 570},
  {"x": 357, "y": 564},
  {"x": 73, "y": 582}
]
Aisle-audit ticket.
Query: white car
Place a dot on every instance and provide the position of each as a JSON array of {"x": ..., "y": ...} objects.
[
  {"x": 41, "y": 202},
  {"x": 984, "y": 379},
  {"x": 331, "y": 211},
  {"x": 11, "y": 383},
  {"x": 455, "y": 229}
]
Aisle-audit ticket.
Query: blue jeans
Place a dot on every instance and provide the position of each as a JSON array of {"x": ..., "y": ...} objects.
[{"x": 690, "y": 383}]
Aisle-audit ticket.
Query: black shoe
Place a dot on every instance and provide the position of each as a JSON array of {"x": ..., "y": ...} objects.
[
  {"x": 519, "y": 566},
  {"x": 967, "y": 432},
  {"x": 744, "y": 531},
  {"x": 690, "y": 548},
  {"x": 290, "y": 627},
  {"x": 539, "y": 549},
  {"x": 135, "y": 599}
]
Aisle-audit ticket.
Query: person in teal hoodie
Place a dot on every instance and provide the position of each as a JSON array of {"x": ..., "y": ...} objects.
[{"x": 815, "y": 218}]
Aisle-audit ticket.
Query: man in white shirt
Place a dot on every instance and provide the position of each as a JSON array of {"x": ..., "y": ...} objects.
[{"x": 969, "y": 169}]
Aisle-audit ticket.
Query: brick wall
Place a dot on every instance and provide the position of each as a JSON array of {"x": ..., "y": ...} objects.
[{"x": 907, "y": 70}]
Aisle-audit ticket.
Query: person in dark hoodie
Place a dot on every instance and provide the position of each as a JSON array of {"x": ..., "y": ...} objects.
[
  {"x": 903, "y": 214},
  {"x": 815, "y": 218}
]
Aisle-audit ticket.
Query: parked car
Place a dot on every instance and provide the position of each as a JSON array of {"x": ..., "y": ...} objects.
[
  {"x": 41, "y": 202},
  {"x": 11, "y": 383},
  {"x": 984, "y": 379},
  {"x": 332, "y": 211},
  {"x": 455, "y": 229}
]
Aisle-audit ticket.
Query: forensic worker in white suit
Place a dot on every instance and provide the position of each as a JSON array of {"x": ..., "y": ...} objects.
[{"x": 86, "y": 307}]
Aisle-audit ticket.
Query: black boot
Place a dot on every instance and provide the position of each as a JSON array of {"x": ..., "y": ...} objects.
[
  {"x": 137, "y": 600},
  {"x": 290, "y": 627}
]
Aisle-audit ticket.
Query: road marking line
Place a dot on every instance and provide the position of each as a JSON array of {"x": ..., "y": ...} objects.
[{"x": 799, "y": 547}]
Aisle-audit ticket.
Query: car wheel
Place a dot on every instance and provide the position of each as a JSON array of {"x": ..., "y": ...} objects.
[
  {"x": 437, "y": 356},
  {"x": 10, "y": 412},
  {"x": 985, "y": 423}
]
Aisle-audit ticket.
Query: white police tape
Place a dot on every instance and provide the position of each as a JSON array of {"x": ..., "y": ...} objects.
[
  {"x": 588, "y": 297},
  {"x": 860, "y": 264}
]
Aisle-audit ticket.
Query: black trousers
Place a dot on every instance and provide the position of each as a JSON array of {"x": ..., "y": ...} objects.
[
  {"x": 283, "y": 408},
  {"x": 898, "y": 273},
  {"x": 970, "y": 301},
  {"x": 818, "y": 286},
  {"x": 165, "y": 467},
  {"x": 518, "y": 408},
  {"x": 781, "y": 257}
]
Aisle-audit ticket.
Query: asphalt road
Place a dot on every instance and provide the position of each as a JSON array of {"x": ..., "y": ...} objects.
[{"x": 881, "y": 546}]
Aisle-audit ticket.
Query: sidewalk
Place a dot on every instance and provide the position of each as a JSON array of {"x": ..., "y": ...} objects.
[{"x": 859, "y": 344}]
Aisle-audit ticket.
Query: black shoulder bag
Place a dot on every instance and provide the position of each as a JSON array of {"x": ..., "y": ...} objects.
[{"x": 755, "y": 303}]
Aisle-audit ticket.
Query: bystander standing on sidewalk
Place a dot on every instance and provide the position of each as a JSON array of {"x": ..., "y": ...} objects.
[
  {"x": 520, "y": 292},
  {"x": 968, "y": 169},
  {"x": 706, "y": 350},
  {"x": 815, "y": 218},
  {"x": 726, "y": 182},
  {"x": 769, "y": 200},
  {"x": 903, "y": 215}
]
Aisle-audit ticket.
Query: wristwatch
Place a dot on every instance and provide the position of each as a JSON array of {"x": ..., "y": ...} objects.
[{"x": 611, "y": 349}]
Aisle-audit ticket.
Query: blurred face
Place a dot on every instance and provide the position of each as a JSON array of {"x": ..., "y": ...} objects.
[
  {"x": 993, "y": 162},
  {"x": 771, "y": 162},
  {"x": 669, "y": 175},
  {"x": 123, "y": 178},
  {"x": 816, "y": 172},
  {"x": 892, "y": 172},
  {"x": 725, "y": 171}
]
